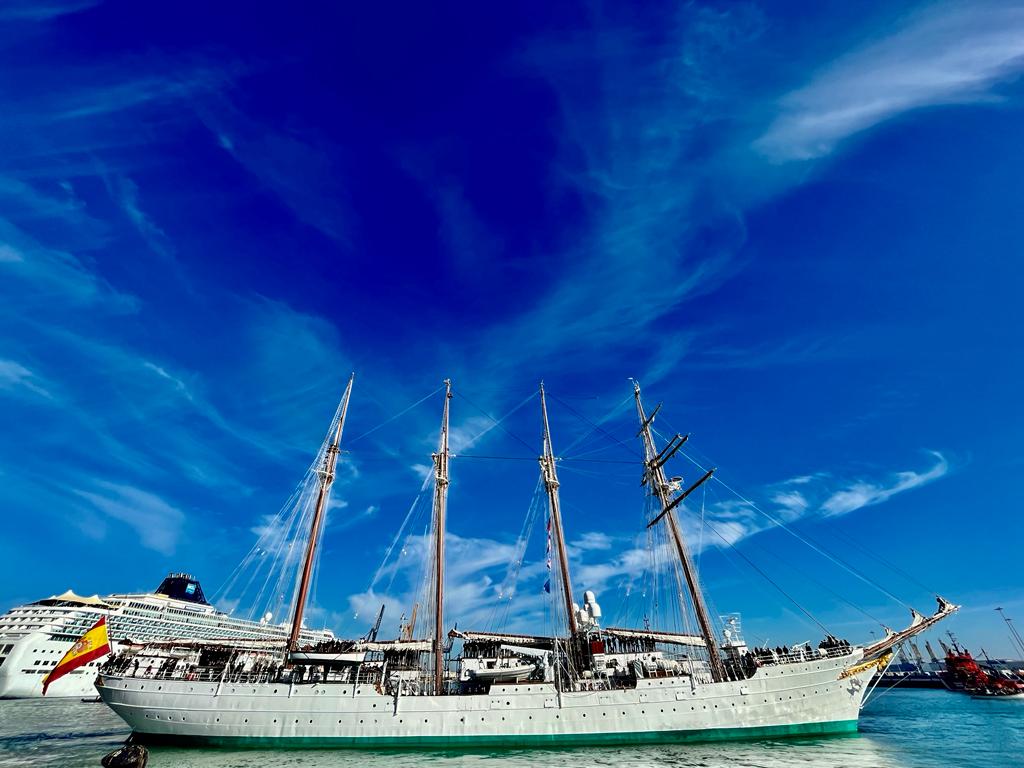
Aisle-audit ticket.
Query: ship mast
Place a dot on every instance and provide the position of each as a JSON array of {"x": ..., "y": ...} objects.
[
  {"x": 654, "y": 477},
  {"x": 326, "y": 476},
  {"x": 547, "y": 465},
  {"x": 440, "y": 507}
]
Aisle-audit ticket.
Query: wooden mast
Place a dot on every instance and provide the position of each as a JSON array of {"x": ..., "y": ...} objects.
[
  {"x": 440, "y": 507},
  {"x": 547, "y": 465},
  {"x": 326, "y": 476},
  {"x": 655, "y": 478}
]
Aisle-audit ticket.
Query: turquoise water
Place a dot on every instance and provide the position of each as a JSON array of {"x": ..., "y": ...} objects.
[{"x": 899, "y": 729}]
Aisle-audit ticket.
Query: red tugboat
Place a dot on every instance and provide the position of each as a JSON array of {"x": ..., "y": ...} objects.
[{"x": 964, "y": 674}]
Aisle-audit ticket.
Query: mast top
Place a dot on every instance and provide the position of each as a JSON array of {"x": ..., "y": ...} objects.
[{"x": 341, "y": 422}]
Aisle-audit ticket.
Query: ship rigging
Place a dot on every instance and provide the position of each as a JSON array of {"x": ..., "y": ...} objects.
[{"x": 585, "y": 684}]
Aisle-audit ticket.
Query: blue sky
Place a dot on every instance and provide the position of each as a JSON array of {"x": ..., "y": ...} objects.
[{"x": 798, "y": 227}]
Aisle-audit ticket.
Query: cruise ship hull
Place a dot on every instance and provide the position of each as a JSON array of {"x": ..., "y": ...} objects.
[
  {"x": 34, "y": 637},
  {"x": 809, "y": 698},
  {"x": 21, "y": 677}
]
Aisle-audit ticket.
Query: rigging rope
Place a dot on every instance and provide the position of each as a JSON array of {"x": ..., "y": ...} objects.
[
  {"x": 507, "y": 588},
  {"x": 824, "y": 553},
  {"x": 498, "y": 422},
  {"x": 396, "y": 416},
  {"x": 598, "y": 427},
  {"x": 769, "y": 579}
]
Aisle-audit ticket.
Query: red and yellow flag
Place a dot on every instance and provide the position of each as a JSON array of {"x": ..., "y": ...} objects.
[{"x": 90, "y": 646}]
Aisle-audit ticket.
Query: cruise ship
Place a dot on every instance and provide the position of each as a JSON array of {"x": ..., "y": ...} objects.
[{"x": 34, "y": 637}]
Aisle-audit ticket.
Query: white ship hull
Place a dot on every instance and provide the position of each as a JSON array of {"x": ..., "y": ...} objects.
[
  {"x": 784, "y": 700},
  {"x": 20, "y": 679}
]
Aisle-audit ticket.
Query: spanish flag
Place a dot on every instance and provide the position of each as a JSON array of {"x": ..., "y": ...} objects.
[{"x": 90, "y": 646}]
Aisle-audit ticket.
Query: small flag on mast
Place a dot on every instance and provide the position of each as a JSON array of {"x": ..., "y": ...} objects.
[{"x": 89, "y": 647}]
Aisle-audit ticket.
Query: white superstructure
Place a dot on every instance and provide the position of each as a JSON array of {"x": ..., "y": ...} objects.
[{"x": 34, "y": 637}]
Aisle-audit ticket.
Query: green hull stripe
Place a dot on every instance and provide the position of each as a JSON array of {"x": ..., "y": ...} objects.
[{"x": 506, "y": 740}]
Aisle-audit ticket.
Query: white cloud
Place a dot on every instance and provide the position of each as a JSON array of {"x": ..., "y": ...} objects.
[
  {"x": 422, "y": 471},
  {"x": 157, "y": 523},
  {"x": 792, "y": 502},
  {"x": 9, "y": 254},
  {"x": 14, "y": 376},
  {"x": 474, "y": 574},
  {"x": 864, "y": 494},
  {"x": 468, "y": 433},
  {"x": 948, "y": 53},
  {"x": 731, "y": 521},
  {"x": 593, "y": 540}
]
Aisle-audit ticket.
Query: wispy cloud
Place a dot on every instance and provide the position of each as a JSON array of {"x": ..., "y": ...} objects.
[
  {"x": 865, "y": 494},
  {"x": 474, "y": 580},
  {"x": 732, "y": 520},
  {"x": 46, "y": 275},
  {"x": 657, "y": 231},
  {"x": 299, "y": 167},
  {"x": 593, "y": 540},
  {"x": 157, "y": 523},
  {"x": 17, "y": 378},
  {"x": 42, "y": 10},
  {"x": 946, "y": 53}
]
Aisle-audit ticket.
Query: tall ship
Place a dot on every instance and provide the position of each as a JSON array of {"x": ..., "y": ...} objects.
[
  {"x": 34, "y": 637},
  {"x": 582, "y": 683}
]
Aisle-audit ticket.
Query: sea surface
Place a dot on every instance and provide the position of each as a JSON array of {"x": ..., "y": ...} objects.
[{"x": 899, "y": 729}]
